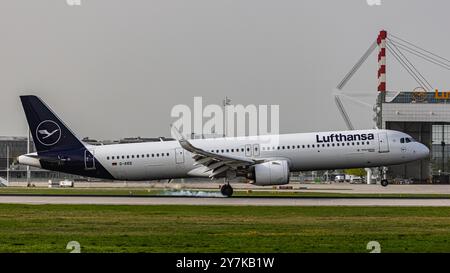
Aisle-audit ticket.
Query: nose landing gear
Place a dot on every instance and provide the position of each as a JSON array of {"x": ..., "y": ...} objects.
[{"x": 384, "y": 181}]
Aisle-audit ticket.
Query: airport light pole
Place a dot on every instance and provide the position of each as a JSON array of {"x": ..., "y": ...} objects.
[
  {"x": 28, "y": 151},
  {"x": 226, "y": 102},
  {"x": 7, "y": 163}
]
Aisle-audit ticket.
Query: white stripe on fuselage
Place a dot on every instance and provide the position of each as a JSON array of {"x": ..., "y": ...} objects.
[{"x": 344, "y": 156}]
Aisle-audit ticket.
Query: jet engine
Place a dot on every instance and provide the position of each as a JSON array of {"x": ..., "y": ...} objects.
[{"x": 269, "y": 173}]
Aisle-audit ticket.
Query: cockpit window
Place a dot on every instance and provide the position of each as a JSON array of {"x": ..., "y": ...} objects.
[
  {"x": 408, "y": 140},
  {"x": 402, "y": 140}
]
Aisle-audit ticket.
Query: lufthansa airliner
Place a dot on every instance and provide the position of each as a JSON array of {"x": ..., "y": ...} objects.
[{"x": 263, "y": 160}]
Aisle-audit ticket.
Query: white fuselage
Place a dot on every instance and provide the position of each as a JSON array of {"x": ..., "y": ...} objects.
[{"x": 305, "y": 151}]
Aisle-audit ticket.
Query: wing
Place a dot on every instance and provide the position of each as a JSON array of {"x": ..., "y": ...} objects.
[{"x": 217, "y": 164}]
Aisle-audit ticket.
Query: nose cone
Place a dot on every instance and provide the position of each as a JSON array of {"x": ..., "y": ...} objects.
[{"x": 423, "y": 151}]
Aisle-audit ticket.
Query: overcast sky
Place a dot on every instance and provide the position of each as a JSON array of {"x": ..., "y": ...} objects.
[{"x": 115, "y": 68}]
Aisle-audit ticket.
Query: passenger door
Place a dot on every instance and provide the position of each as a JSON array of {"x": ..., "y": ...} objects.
[{"x": 383, "y": 142}]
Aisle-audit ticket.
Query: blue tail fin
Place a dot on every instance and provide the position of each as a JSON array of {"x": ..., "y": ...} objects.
[{"x": 48, "y": 131}]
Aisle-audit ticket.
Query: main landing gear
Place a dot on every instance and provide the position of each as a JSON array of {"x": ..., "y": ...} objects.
[{"x": 226, "y": 190}]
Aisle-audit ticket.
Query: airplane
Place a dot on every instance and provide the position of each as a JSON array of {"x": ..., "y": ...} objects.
[{"x": 262, "y": 162}]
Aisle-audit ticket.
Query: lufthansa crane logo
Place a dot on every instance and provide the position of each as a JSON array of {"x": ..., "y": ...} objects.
[
  {"x": 48, "y": 133},
  {"x": 419, "y": 94}
]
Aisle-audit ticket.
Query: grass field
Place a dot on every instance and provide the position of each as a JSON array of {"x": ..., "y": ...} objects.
[
  {"x": 152, "y": 192},
  {"x": 48, "y": 228}
]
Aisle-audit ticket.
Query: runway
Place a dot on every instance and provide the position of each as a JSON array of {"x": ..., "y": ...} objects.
[
  {"x": 234, "y": 201},
  {"x": 296, "y": 187}
]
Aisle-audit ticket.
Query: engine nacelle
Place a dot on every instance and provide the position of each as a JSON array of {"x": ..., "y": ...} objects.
[{"x": 274, "y": 172}]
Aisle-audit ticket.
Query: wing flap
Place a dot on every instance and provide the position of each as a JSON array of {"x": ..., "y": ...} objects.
[{"x": 217, "y": 163}]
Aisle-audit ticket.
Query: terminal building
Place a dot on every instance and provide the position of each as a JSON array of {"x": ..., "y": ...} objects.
[
  {"x": 10, "y": 149},
  {"x": 426, "y": 117},
  {"x": 423, "y": 113}
]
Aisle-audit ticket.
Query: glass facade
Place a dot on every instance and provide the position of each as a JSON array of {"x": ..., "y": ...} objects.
[
  {"x": 440, "y": 153},
  {"x": 16, "y": 145}
]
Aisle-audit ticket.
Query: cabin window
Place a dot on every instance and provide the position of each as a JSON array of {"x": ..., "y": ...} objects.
[
  {"x": 337, "y": 144},
  {"x": 107, "y": 158},
  {"x": 228, "y": 150},
  {"x": 153, "y": 155},
  {"x": 357, "y": 143},
  {"x": 157, "y": 155},
  {"x": 167, "y": 154},
  {"x": 137, "y": 156},
  {"x": 132, "y": 156},
  {"x": 308, "y": 146},
  {"x": 368, "y": 142},
  {"x": 353, "y": 143},
  {"x": 332, "y": 144},
  {"x": 148, "y": 155},
  {"x": 113, "y": 158}
]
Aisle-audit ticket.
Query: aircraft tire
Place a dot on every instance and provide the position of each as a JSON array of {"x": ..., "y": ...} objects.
[{"x": 226, "y": 190}]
